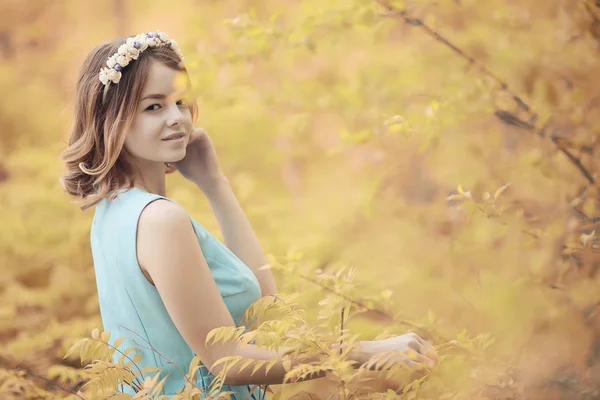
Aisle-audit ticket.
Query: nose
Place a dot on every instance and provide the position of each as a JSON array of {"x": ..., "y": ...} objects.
[{"x": 175, "y": 115}]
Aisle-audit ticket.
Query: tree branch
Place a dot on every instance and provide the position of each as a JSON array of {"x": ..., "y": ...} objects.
[{"x": 403, "y": 14}]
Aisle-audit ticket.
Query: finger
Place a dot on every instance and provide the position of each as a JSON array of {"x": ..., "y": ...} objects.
[
  {"x": 418, "y": 339},
  {"x": 434, "y": 356},
  {"x": 420, "y": 358},
  {"x": 421, "y": 340},
  {"x": 418, "y": 374},
  {"x": 424, "y": 347},
  {"x": 430, "y": 352},
  {"x": 197, "y": 133},
  {"x": 416, "y": 368},
  {"x": 415, "y": 345}
]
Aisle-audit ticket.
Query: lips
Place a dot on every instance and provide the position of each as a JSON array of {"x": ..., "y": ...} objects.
[{"x": 174, "y": 136}]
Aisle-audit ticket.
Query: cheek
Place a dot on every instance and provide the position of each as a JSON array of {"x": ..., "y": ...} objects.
[
  {"x": 135, "y": 137},
  {"x": 188, "y": 118},
  {"x": 133, "y": 143},
  {"x": 127, "y": 145}
]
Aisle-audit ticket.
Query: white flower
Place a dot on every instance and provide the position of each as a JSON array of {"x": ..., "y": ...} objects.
[
  {"x": 123, "y": 49},
  {"x": 130, "y": 42},
  {"x": 107, "y": 74},
  {"x": 143, "y": 44},
  {"x": 134, "y": 53},
  {"x": 104, "y": 76},
  {"x": 113, "y": 75},
  {"x": 141, "y": 39},
  {"x": 123, "y": 60},
  {"x": 175, "y": 47},
  {"x": 164, "y": 37},
  {"x": 111, "y": 62},
  {"x": 130, "y": 48}
]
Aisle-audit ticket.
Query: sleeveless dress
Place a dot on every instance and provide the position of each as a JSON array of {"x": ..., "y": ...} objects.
[{"x": 128, "y": 300}]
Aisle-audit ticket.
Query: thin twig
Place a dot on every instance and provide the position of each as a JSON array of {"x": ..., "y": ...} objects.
[
  {"x": 574, "y": 160},
  {"x": 403, "y": 14},
  {"x": 53, "y": 383},
  {"x": 342, "y": 331},
  {"x": 367, "y": 308},
  {"x": 165, "y": 358},
  {"x": 343, "y": 383},
  {"x": 134, "y": 363},
  {"x": 394, "y": 13}
]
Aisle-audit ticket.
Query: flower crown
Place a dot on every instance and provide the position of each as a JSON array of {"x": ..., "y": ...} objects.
[{"x": 131, "y": 50}]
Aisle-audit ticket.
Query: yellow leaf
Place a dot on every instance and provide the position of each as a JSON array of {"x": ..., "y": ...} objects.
[
  {"x": 287, "y": 365},
  {"x": 586, "y": 239},
  {"x": 431, "y": 317},
  {"x": 257, "y": 366},
  {"x": 209, "y": 337},
  {"x": 74, "y": 348},
  {"x": 245, "y": 364},
  {"x": 500, "y": 190},
  {"x": 149, "y": 369},
  {"x": 118, "y": 342},
  {"x": 488, "y": 343},
  {"x": 271, "y": 364},
  {"x": 195, "y": 361}
]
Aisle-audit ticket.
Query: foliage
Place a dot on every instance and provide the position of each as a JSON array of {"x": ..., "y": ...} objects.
[{"x": 410, "y": 165}]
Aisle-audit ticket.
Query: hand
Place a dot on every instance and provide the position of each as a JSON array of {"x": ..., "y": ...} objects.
[
  {"x": 200, "y": 164},
  {"x": 414, "y": 352}
]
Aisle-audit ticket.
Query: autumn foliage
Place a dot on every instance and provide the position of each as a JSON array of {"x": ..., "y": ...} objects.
[{"x": 424, "y": 166}]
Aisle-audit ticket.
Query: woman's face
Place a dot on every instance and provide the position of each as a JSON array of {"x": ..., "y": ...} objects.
[{"x": 162, "y": 111}]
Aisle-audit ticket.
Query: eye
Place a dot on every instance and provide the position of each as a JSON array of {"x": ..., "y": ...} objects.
[
  {"x": 179, "y": 103},
  {"x": 149, "y": 107}
]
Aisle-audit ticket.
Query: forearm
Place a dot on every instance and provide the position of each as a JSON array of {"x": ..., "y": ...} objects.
[
  {"x": 276, "y": 373},
  {"x": 238, "y": 234}
]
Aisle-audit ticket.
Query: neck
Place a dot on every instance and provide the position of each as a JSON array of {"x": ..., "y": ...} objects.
[{"x": 151, "y": 177}]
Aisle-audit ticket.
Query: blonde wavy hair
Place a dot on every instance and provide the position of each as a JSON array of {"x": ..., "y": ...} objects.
[{"x": 97, "y": 163}]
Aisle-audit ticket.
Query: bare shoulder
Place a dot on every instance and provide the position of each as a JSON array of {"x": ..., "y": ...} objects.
[
  {"x": 162, "y": 226},
  {"x": 162, "y": 213}
]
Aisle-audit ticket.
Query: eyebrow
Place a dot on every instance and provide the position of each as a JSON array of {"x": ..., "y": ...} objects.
[
  {"x": 162, "y": 96},
  {"x": 154, "y": 96}
]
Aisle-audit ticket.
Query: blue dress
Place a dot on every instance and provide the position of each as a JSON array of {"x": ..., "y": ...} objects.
[{"x": 128, "y": 300}]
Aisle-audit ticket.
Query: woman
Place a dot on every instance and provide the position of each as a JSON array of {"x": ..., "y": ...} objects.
[{"x": 163, "y": 280}]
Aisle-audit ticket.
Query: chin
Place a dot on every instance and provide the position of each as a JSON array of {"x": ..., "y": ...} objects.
[{"x": 178, "y": 158}]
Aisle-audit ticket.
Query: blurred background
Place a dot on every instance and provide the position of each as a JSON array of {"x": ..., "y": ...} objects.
[{"x": 444, "y": 151}]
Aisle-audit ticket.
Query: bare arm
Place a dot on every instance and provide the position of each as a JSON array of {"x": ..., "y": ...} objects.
[
  {"x": 238, "y": 233},
  {"x": 168, "y": 249},
  {"x": 277, "y": 372}
]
